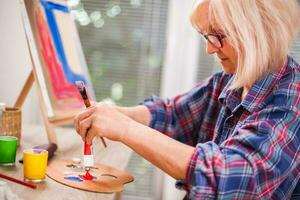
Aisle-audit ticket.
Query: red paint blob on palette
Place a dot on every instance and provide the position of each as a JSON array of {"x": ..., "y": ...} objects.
[{"x": 87, "y": 176}]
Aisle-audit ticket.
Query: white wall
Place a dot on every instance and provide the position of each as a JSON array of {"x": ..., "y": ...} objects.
[
  {"x": 180, "y": 66},
  {"x": 15, "y": 62},
  {"x": 183, "y": 46}
]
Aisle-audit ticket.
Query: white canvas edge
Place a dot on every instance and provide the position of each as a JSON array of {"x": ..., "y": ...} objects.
[{"x": 35, "y": 59}]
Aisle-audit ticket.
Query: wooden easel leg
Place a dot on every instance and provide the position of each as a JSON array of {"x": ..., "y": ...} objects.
[
  {"x": 21, "y": 98},
  {"x": 25, "y": 90},
  {"x": 50, "y": 128}
]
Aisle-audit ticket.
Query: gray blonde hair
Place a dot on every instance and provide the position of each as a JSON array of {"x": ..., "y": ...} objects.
[{"x": 261, "y": 31}]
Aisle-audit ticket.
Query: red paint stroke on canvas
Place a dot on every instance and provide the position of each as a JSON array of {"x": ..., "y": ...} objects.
[{"x": 61, "y": 88}]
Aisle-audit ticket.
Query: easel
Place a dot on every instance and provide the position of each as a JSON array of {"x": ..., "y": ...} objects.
[
  {"x": 48, "y": 122},
  {"x": 21, "y": 98},
  {"x": 49, "y": 125},
  {"x": 50, "y": 117}
]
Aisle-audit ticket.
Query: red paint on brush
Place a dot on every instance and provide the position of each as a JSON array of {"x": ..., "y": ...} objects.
[{"x": 87, "y": 103}]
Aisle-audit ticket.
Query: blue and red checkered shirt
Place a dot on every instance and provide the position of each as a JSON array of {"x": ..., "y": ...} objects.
[{"x": 245, "y": 149}]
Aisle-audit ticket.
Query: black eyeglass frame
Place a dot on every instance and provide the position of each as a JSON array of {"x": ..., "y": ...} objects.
[{"x": 219, "y": 36}]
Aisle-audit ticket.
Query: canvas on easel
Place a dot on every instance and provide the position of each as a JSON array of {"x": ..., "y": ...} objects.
[{"x": 57, "y": 60}]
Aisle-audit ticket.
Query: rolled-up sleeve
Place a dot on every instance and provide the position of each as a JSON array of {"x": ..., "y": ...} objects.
[
  {"x": 191, "y": 117},
  {"x": 262, "y": 153},
  {"x": 173, "y": 117}
]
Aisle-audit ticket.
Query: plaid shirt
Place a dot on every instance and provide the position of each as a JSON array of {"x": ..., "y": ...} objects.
[{"x": 247, "y": 149}]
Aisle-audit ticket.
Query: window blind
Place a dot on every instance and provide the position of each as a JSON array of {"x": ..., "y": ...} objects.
[
  {"x": 124, "y": 45},
  {"x": 295, "y": 51}
]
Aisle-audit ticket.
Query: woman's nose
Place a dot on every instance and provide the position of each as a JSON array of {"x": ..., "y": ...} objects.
[{"x": 211, "y": 49}]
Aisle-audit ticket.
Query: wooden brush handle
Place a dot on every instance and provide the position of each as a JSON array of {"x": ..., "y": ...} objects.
[{"x": 18, "y": 181}]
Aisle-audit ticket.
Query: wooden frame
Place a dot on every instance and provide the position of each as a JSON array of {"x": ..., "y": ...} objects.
[
  {"x": 21, "y": 98},
  {"x": 49, "y": 125}
]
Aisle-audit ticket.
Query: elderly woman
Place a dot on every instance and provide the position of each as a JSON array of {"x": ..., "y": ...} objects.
[{"x": 237, "y": 134}]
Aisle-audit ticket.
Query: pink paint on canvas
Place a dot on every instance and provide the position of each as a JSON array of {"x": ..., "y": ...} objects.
[{"x": 62, "y": 89}]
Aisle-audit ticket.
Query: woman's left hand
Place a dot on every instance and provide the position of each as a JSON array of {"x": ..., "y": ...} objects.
[{"x": 101, "y": 120}]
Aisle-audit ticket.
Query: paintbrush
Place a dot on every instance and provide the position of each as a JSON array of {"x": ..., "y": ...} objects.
[
  {"x": 81, "y": 87},
  {"x": 88, "y": 158},
  {"x": 17, "y": 181}
]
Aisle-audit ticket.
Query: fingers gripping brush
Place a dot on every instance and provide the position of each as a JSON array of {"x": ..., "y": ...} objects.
[
  {"x": 88, "y": 158},
  {"x": 87, "y": 103}
]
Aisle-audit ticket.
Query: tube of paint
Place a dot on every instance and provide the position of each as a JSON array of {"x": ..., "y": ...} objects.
[{"x": 88, "y": 157}]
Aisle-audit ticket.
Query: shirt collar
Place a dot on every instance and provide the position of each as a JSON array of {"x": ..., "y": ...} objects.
[
  {"x": 230, "y": 98},
  {"x": 254, "y": 100}
]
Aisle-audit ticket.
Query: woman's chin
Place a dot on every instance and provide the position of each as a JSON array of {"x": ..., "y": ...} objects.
[{"x": 228, "y": 69}]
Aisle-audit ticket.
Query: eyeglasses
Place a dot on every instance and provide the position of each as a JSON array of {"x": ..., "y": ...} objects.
[{"x": 215, "y": 39}]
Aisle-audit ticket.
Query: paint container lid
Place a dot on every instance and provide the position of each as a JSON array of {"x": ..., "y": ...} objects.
[{"x": 76, "y": 160}]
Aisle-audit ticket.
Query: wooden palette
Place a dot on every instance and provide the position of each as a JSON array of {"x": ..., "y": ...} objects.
[{"x": 108, "y": 179}]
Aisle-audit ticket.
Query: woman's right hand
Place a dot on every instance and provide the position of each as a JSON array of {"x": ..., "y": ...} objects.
[{"x": 101, "y": 120}]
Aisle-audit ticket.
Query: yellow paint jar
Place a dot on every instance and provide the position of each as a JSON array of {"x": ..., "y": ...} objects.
[{"x": 35, "y": 164}]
